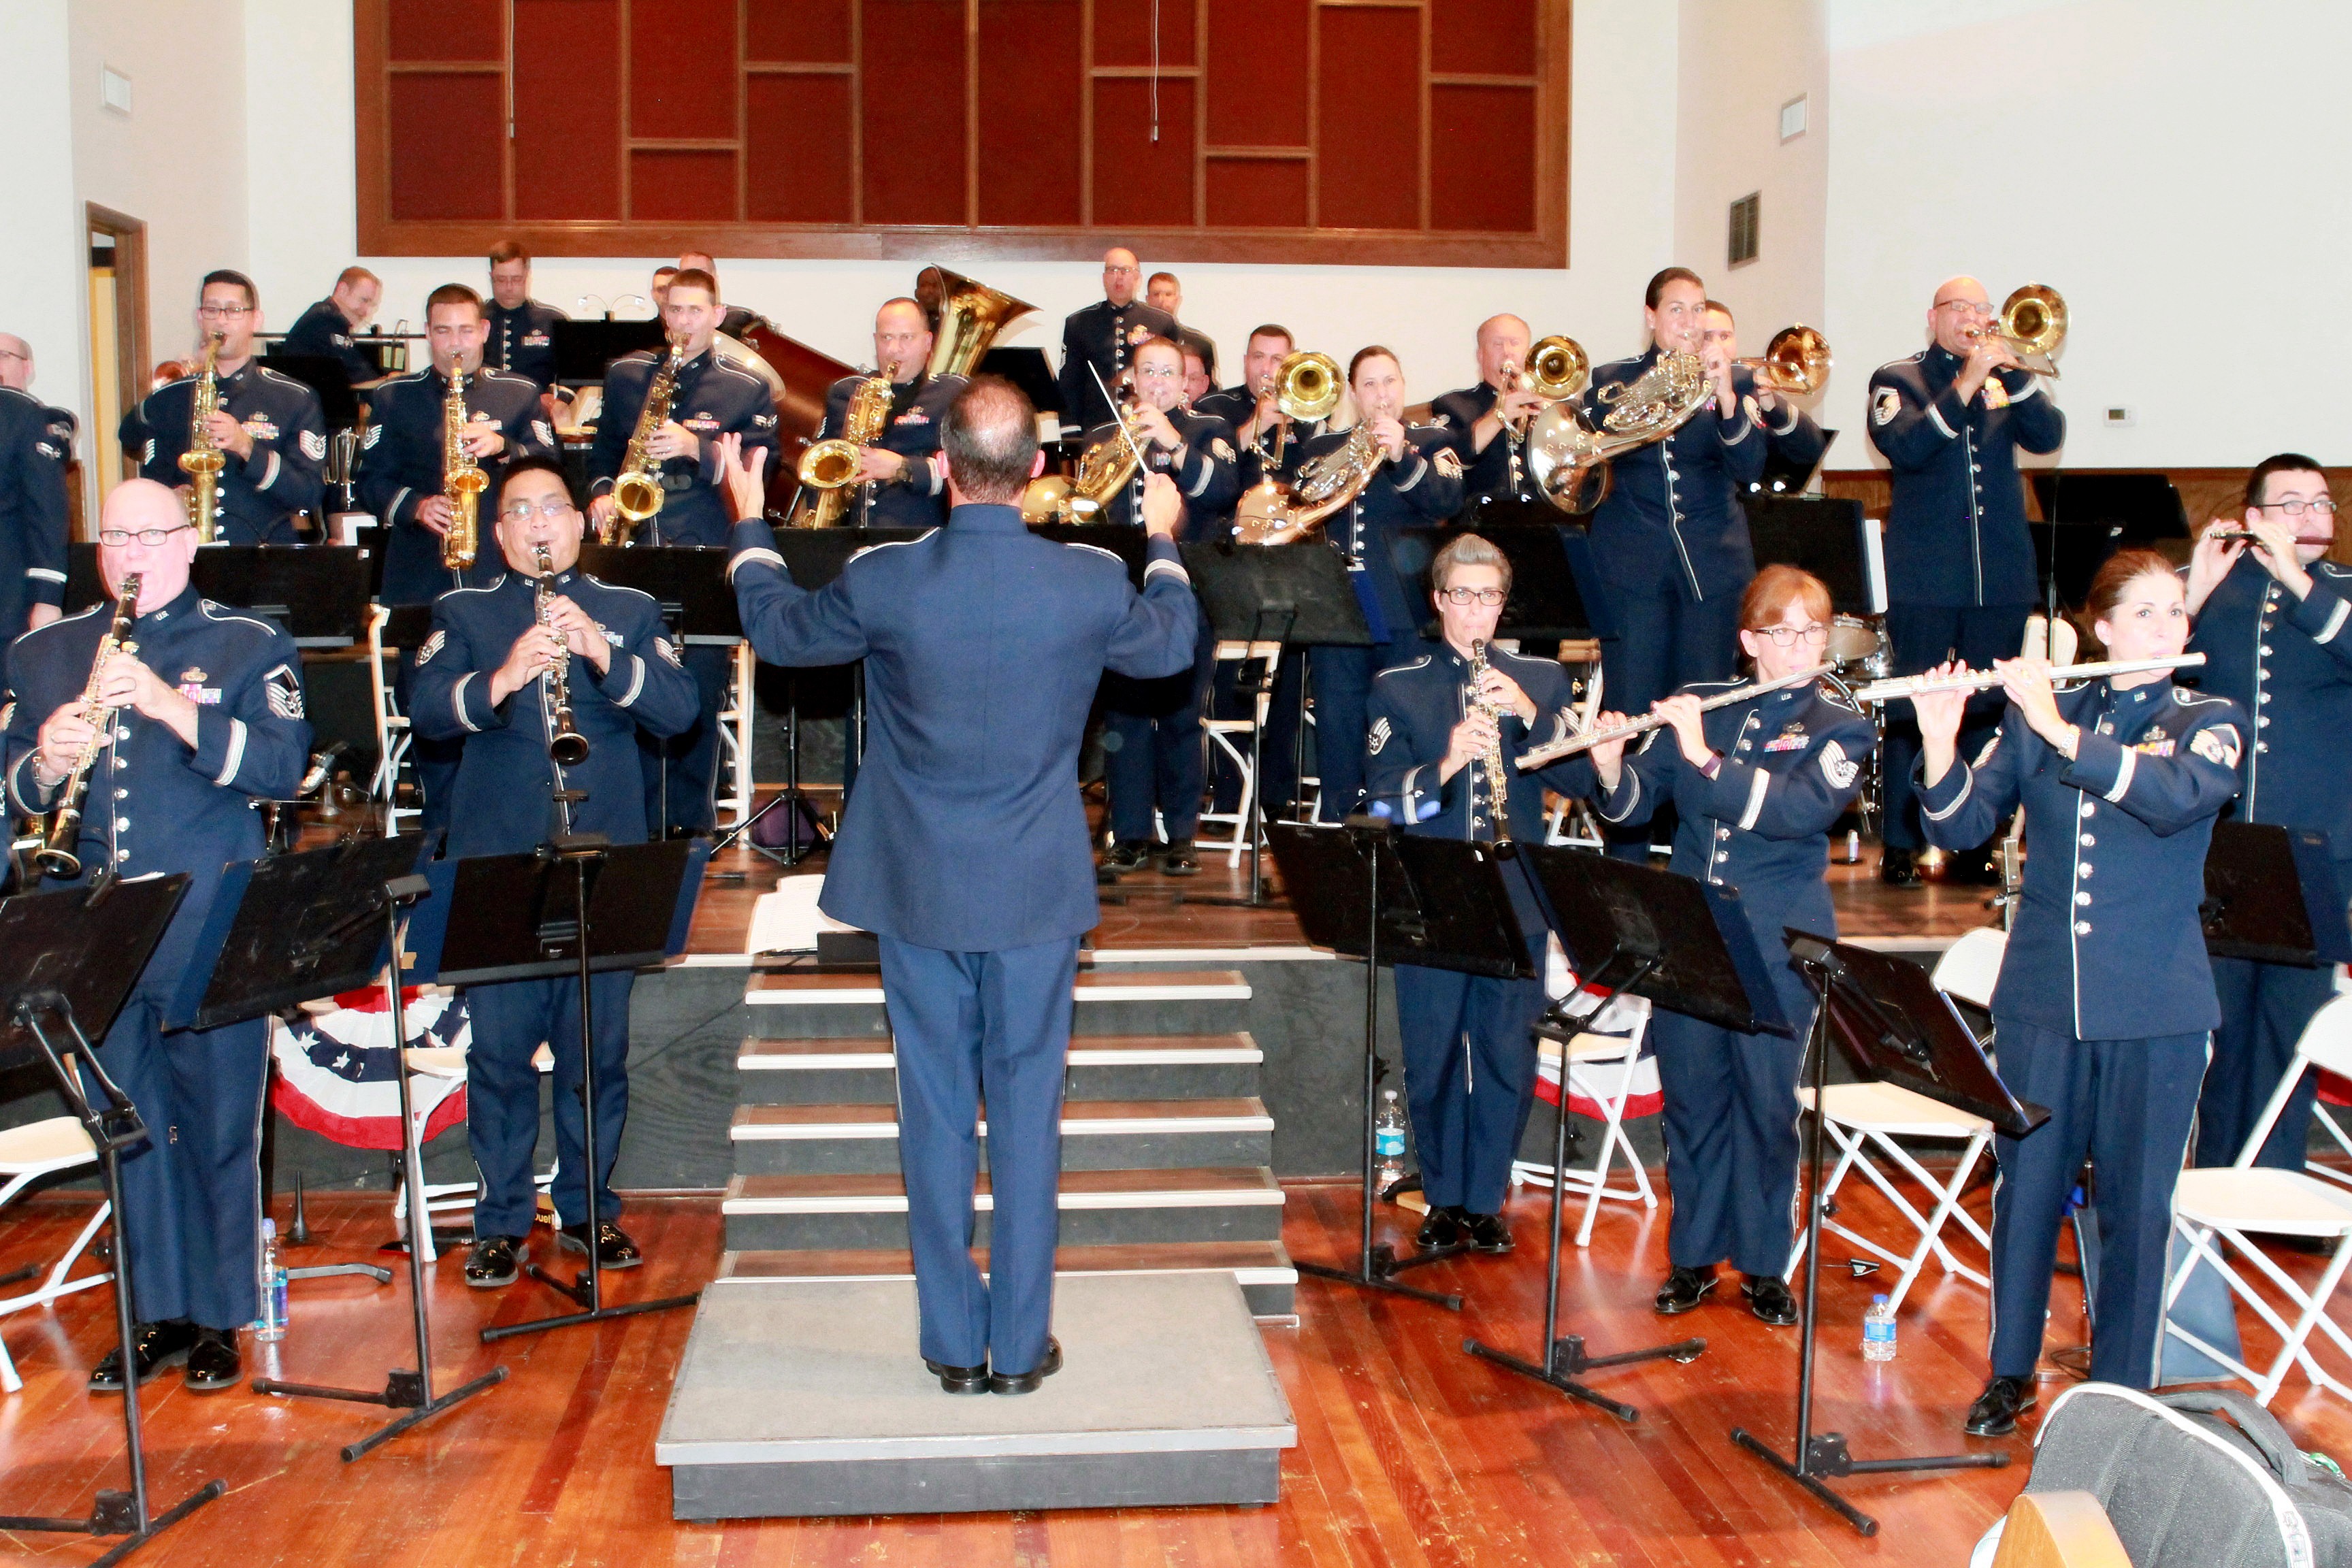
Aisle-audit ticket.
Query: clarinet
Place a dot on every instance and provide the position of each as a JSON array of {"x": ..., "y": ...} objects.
[
  {"x": 56, "y": 857},
  {"x": 566, "y": 746},
  {"x": 1490, "y": 761}
]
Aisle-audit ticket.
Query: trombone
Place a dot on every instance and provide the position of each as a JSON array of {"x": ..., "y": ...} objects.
[
  {"x": 1557, "y": 369},
  {"x": 2032, "y": 323},
  {"x": 1306, "y": 388},
  {"x": 1794, "y": 364}
]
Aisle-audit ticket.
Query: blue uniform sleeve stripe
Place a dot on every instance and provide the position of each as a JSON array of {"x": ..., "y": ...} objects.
[
  {"x": 1172, "y": 568},
  {"x": 47, "y": 575},
  {"x": 637, "y": 681},
  {"x": 2127, "y": 760},
  {"x": 1968, "y": 783},
  {"x": 1755, "y": 807},
  {"x": 457, "y": 701},
  {"x": 767, "y": 557},
  {"x": 235, "y": 752},
  {"x": 1936, "y": 414},
  {"x": 2334, "y": 621},
  {"x": 1629, "y": 783}
]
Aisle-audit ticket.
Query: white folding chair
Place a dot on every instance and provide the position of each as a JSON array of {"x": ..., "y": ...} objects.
[
  {"x": 735, "y": 736},
  {"x": 392, "y": 737},
  {"x": 2238, "y": 1200},
  {"x": 28, "y": 1154},
  {"x": 1600, "y": 1068},
  {"x": 1230, "y": 738}
]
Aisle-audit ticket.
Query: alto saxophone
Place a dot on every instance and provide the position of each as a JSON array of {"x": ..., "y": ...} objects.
[
  {"x": 1490, "y": 761},
  {"x": 201, "y": 461},
  {"x": 637, "y": 490},
  {"x": 56, "y": 856},
  {"x": 565, "y": 744},
  {"x": 462, "y": 480}
]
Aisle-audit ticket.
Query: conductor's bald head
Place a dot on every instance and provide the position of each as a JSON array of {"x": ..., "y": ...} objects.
[{"x": 990, "y": 439}]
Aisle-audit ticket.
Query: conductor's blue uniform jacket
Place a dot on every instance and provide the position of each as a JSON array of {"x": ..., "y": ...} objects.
[
  {"x": 713, "y": 398},
  {"x": 192, "y": 1192},
  {"x": 33, "y": 515},
  {"x": 259, "y": 494},
  {"x": 401, "y": 460},
  {"x": 918, "y": 409}
]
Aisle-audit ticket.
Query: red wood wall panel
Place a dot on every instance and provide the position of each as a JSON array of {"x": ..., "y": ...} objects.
[
  {"x": 1482, "y": 38},
  {"x": 567, "y": 109},
  {"x": 682, "y": 70},
  {"x": 449, "y": 140},
  {"x": 913, "y": 121},
  {"x": 1123, "y": 32},
  {"x": 681, "y": 187},
  {"x": 449, "y": 29},
  {"x": 1491, "y": 129},
  {"x": 808, "y": 31},
  {"x": 1369, "y": 171},
  {"x": 1257, "y": 193},
  {"x": 1137, "y": 180},
  {"x": 1257, "y": 73},
  {"x": 1032, "y": 103},
  {"x": 799, "y": 152}
]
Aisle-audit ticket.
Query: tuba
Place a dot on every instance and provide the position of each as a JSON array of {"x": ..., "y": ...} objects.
[
  {"x": 1795, "y": 362},
  {"x": 1569, "y": 459},
  {"x": 2032, "y": 323},
  {"x": 637, "y": 491},
  {"x": 829, "y": 467},
  {"x": 201, "y": 461},
  {"x": 462, "y": 480},
  {"x": 1306, "y": 388},
  {"x": 56, "y": 856},
  {"x": 965, "y": 316}
]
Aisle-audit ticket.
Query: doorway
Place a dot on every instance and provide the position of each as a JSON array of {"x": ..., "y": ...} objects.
[{"x": 119, "y": 367}]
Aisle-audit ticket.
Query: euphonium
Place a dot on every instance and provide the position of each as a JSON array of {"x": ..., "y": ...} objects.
[
  {"x": 829, "y": 467},
  {"x": 1490, "y": 761},
  {"x": 2032, "y": 323},
  {"x": 56, "y": 856},
  {"x": 1306, "y": 388},
  {"x": 462, "y": 480},
  {"x": 201, "y": 461},
  {"x": 565, "y": 744},
  {"x": 1569, "y": 459},
  {"x": 637, "y": 491}
]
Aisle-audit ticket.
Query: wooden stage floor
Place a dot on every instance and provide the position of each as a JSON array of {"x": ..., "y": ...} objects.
[{"x": 1411, "y": 1452}]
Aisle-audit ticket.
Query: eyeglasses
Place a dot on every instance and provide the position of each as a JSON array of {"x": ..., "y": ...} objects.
[
  {"x": 1788, "y": 636},
  {"x": 225, "y": 313},
  {"x": 1490, "y": 598},
  {"x": 1965, "y": 306},
  {"x": 12, "y": 353},
  {"x": 117, "y": 537},
  {"x": 1158, "y": 372},
  {"x": 555, "y": 508},
  {"x": 2322, "y": 507}
]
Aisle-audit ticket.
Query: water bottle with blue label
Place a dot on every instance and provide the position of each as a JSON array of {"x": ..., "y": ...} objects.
[
  {"x": 1388, "y": 1145},
  {"x": 1878, "y": 1330},
  {"x": 271, "y": 1324}
]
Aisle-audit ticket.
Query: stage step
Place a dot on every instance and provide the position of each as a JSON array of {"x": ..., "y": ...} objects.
[
  {"x": 1097, "y": 1135},
  {"x": 1102, "y": 1066},
  {"x": 808, "y": 1398},
  {"x": 771, "y": 1212},
  {"x": 801, "y": 1005},
  {"x": 1262, "y": 1268}
]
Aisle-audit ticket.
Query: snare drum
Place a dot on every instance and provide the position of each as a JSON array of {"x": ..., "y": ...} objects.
[{"x": 1860, "y": 644}]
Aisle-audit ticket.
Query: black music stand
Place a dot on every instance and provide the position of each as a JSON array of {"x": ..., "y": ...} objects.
[
  {"x": 1818, "y": 534},
  {"x": 318, "y": 593},
  {"x": 69, "y": 955},
  {"x": 2271, "y": 895},
  {"x": 579, "y": 905},
  {"x": 1783, "y": 478},
  {"x": 1364, "y": 888},
  {"x": 338, "y": 403},
  {"x": 1895, "y": 1025},
  {"x": 582, "y": 349}
]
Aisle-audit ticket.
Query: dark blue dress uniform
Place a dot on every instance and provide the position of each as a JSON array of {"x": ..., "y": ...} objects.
[
  {"x": 1422, "y": 492},
  {"x": 1792, "y": 764},
  {"x": 1259, "y": 458},
  {"x": 505, "y": 805},
  {"x": 1501, "y": 469},
  {"x": 1960, "y": 575},
  {"x": 522, "y": 340},
  {"x": 1469, "y": 1045},
  {"x": 323, "y": 331},
  {"x": 964, "y": 849},
  {"x": 260, "y": 494},
  {"x": 2287, "y": 661},
  {"x": 33, "y": 515},
  {"x": 916, "y": 409},
  {"x": 1790, "y": 434},
  {"x": 1152, "y": 741},
  {"x": 191, "y": 1193},
  {"x": 401, "y": 464},
  {"x": 1671, "y": 543},
  {"x": 1104, "y": 336},
  {"x": 2105, "y": 998},
  {"x": 713, "y": 398}
]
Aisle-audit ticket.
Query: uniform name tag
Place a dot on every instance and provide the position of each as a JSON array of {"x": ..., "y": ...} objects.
[{"x": 913, "y": 417}]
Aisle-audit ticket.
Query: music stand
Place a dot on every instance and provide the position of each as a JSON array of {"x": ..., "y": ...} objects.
[
  {"x": 318, "y": 593},
  {"x": 582, "y": 349},
  {"x": 1819, "y": 534},
  {"x": 1893, "y": 1024},
  {"x": 69, "y": 955},
  {"x": 2271, "y": 895},
  {"x": 338, "y": 403},
  {"x": 1440, "y": 902},
  {"x": 1783, "y": 478}
]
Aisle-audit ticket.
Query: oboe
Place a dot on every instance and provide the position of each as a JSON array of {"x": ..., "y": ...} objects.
[
  {"x": 1907, "y": 686},
  {"x": 565, "y": 744},
  {"x": 1544, "y": 756}
]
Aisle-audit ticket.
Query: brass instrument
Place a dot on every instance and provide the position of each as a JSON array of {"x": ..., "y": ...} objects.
[
  {"x": 965, "y": 316},
  {"x": 1306, "y": 388},
  {"x": 1490, "y": 761},
  {"x": 829, "y": 467},
  {"x": 1569, "y": 459},
  {"x": 1104, "y": 469},
  {"x": 1544, "y": 756},
  {"x": 1558, "y": 368},
  {"x": 2032, "y": 323},
  {"x": 56, "y": 856},
  {"x": 566, "y": 746},
  {"x": 1795, "y": 362},
  {"x": 201, "y": 461},
  {"x": 1905, "y": 687},
  {"x": 462, "y": 480},
  {"x": 637, "y": 492}
]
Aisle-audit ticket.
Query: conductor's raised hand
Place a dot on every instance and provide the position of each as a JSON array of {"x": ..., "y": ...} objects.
[
  {"x": 746, "y": 485},
  {"x": 1164, "y": 506}
]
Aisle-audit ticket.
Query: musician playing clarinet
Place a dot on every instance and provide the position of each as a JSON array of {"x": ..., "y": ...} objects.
[
  {"x": 1756, "y": 786},
  {"x": 2105, "y": 1005}
]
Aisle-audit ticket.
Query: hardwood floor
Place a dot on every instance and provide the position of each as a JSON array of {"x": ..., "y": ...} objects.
[{"x": 1410, "y": 1452}]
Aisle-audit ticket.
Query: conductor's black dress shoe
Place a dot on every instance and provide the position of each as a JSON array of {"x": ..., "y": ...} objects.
[{"x": 958, "y": 1379}]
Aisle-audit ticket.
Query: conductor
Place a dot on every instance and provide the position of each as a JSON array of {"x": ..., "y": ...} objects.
[{"x": 964, "y": 846}]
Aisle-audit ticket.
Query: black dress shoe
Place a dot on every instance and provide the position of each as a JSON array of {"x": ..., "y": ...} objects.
[
  {"x": 157, "y": 1347},
  {"x": 1486, "y": 1232},
  {"x": 1684, "y": 1289},
  {"x": 1441, "y": 1230},
  {"x": 1179, "y": 860},
  {"x": 1770, "y": 1299},
  {"x": 1995, "y": 1413},
  {"x": 614, "y": 1247},
  {"x": 213, "y": 1363},
  {"x": 1031, "y": 1381},
  {"x": 958, "y": 1379},
  {"x": 494, "y": 1260},
  {"x": 1129, "y": 855},
  {"x": 1898, "y": 867}
]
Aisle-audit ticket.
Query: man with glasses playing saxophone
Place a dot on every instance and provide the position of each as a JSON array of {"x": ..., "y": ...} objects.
[{"x": 489, "y": 677}]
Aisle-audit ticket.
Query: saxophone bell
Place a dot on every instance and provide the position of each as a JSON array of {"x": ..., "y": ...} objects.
[{"x": 638, "y": 493}]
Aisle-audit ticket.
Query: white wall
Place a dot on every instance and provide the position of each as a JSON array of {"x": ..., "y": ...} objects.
[{"x": 44, "y": 276}]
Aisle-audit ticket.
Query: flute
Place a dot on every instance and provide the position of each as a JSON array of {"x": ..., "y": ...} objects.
[
  {"x": 1985, "y": 680},
  {"x": 1544, "y": 756}
]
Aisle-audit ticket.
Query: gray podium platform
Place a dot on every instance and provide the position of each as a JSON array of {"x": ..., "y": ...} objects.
[{"x": 808, "y": 1397}]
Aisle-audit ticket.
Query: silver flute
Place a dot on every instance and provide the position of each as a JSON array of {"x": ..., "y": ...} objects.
[
  {"x": 1544, "y": 756},
  {"x": 1908, "y": 686}
]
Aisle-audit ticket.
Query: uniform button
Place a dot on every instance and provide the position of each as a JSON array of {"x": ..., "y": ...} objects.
[
  {"x": 2262, "y": 745},
  {"x": 122, "y": 734},
  {"x": 2084, "y": 869},
  {"x": 2088, "y": 841},
  {"x": 121, "y": 825},
  {"x": 2082, "y": 928},
  {"x": 1723, "y": 833},
  {"x": 123, "y": 795},
  {"x": 2261, "y": 697},
  {"x": 120, "y": 856},
  {"x": 2089, "y": 810},
  {"x": 2261, "y": 721},
  {"x": 2084, "y": 896},
  {"x": 2266, "y": 647},
  {"x": 1743, "y": 746},
  {"x": 1721, "y": 856}
]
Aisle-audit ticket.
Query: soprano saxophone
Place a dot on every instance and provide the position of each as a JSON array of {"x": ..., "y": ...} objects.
[
  {"x": 637, "y": 490},
  {"x": 63, "y": 832}
]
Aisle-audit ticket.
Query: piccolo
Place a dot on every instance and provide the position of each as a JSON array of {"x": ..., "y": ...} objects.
[
  {"x": 1986, "y": 680},
  {"x": 1544, "y": 756}
]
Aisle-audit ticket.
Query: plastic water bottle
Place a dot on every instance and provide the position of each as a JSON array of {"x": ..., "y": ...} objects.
[
  {"x": 1878, "y": 1330},
  {"x": 271, "y": 1325},
  {"x": 1388, "y": 1145}
]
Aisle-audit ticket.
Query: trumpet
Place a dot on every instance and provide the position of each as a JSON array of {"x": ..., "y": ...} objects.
[
  {"x": 1544, "y": 756},
  {"x": 1794, "y": 364},
  {"x": 566, "y": 746},
  {"x": 2032, "y": 323},
  {"x": 1908, "y": 686}
]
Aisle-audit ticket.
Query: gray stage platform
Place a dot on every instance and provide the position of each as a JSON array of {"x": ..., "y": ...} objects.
[{"x": 801, "y": 1397}]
